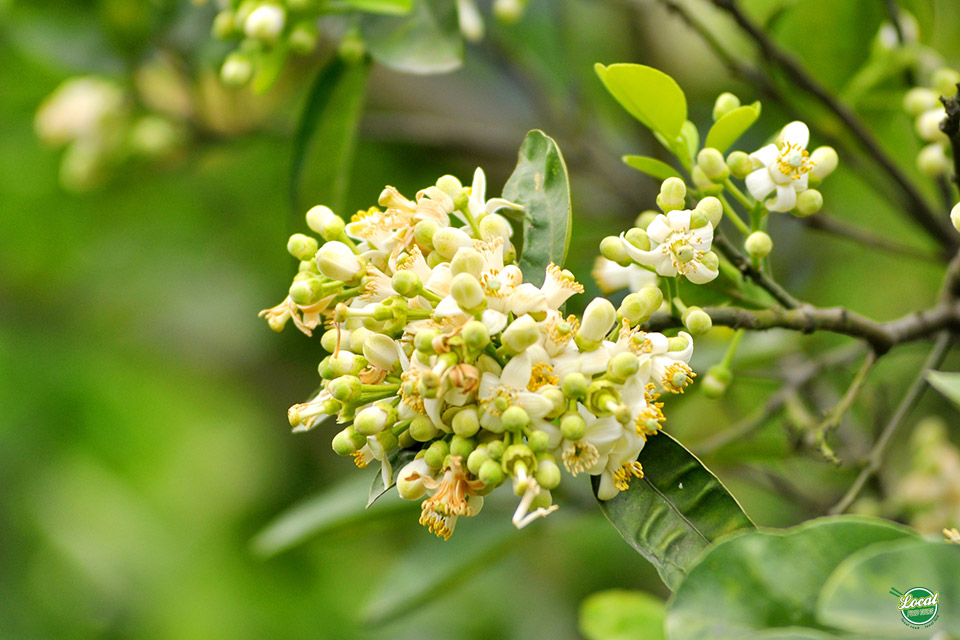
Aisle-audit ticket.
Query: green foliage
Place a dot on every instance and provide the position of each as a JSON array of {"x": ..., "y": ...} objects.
[
  {"x": 731, "y": 126},
  {"x": 652, "y": 167},
  {"x": 946, "y": 383},
  {"x": 540, "y": 183},
  {"x": 672, "y": 514},
  {"x": 391, "y": 7},
  {"x": 618, "y": 614},
  {"x": 649, "y": 95},
  {"x": 426, "y": 40}
]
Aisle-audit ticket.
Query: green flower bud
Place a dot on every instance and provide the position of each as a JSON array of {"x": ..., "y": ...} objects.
[
  {"x": 758, "y": 244},
  {"x": 304, "y": 37},
  {"x": 373, "y": 420},
  {"x": 933, "y": 161},
  {"x": 338, "y": 262},
  {"x": 632, "y": 308},
  {"x": 574, "y": 385},
  {"x": 468, "y": 293},
  {"x": 598, "y": 317},
  {"x": 322, "y": 220},
  {"x": 422, "y": 429},
  {"x": 410, "y": 484},
  {"x": 346, "y": 389},
  {"x": 710, "y": 260},
  {"x": 715, "y": 383},
  {"x": 955, "y": 216},
  {"x": 538, "y": 441},
  {"x": 237, "y": 70},
  {"x": 424, "y": 231},
  {"x": 944, "y": 81},
  {"x": 224, "y": 25},
  {"x": 542, "y": 500},
  {"x": 712, "y": 164},
  {"x": 494, "y": 225},
  {"x": 638, "y": 238},
  {"x": 918, "y": 100},
  {"x": 556, "y": 398},
  {"x": 725, "y": 103},
  {"x": 306, "y": 292},
  {"x": 387, "y": 440},
  {"x": 672, "y": 194},
  {"x": 522, "y": 332},
  {"x": 704, "y": 183},
  {"x": 711, "y": 208},
  {"x": 928, "y": 125},
  {"x": 450, "y": 185},
  {"x": 448, "y": 240},
  {"x": 436, "y": 453},
  {"x": 491, "y": 473},
  {"x": 381, "y": 351},
  {"x": 495, "y": 449},
  {"x": 698, "y": 219},
  {"x": 346, "y": 441},
  {"x": 644, "y": 219},
  {"x": 308, "y": 266},
  {"x": 825, "y": 161},
  {"x": 467, "y": 260},
  {"x": 740, "y": 164},
  {"x": 697, "y": 321},
  {"x": 509, "y": 11},
  {"x": 407, "y": 283},
  {"x": 463, "y": 447},
  {"x": 423, "y": 340},
  {"x": 466, "y": 423},
  {"x": 612, "y": 249},
  {"x": 265, "y": 22},
  {"x": 573, "y": 426},
  {"x": 808, "y": 203},
  {"x": 476, "y": 459},
  {"x": 352, "y": 48},
  {"x": 548, "y": 475},
  {"x": 475, "y": 335},
  {"x": 329, "y": 339},
  {"x": 623, "y": 365},
  {"x": 514, "y": 418}
]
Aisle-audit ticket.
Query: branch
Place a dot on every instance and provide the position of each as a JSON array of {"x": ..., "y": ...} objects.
[
  {"x": 839, "y": 228},
  {"x": 835, "y": 417},
  {"x": 743, "y": 264},
  {"x": 907, "y": 404},
  {"x": 916, "y": 205},
  {"x": 951, "y": 127}
]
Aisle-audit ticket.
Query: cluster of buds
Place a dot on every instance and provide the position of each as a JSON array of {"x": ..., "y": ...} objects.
[
  {"x": 923, "y": 104},
  {"x": 930, "y": 492},
  {"x": 94, "y": 120},
  {"x": 266, "y": 28},
  {"x": 440, "y": 351},
  {"x": 471, "y": 22}
]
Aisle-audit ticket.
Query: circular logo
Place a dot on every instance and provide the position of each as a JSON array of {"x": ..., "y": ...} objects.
[{"x": 918, "y": 606}]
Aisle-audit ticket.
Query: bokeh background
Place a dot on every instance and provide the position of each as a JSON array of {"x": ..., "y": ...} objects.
[{"x": 144, "y": 447}]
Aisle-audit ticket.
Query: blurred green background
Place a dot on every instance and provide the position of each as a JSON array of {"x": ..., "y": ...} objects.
[{"x": 144, "y": 442}]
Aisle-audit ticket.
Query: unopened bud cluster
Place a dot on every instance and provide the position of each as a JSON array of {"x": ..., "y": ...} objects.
[{"x": 923, "y": 104}]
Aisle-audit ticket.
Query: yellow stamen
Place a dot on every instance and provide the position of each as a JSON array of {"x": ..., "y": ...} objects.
[
  {"x": 579, "y": 456},
  {"x": 794, "y": 161},
  {"x": 623, "y": 475},
  {"x": 541, "y": 375},
  {"x": 677, "y": 376}
]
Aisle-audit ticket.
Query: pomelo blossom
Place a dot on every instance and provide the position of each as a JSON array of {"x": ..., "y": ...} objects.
[
  {"x": 784, "y": 168},
  {"x": 676, "y": 247}
]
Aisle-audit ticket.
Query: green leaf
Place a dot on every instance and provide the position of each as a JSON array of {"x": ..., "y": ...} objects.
[
  {"x": 618, "y": 614},
  {"x": 427, "y": 40},
  {"x": 652, "y": 167},
  {"x": 856, "y": 598},
  {"x": 540, "y": 183},
  {"x": 675, "y": 511},
  {"x": 398, "y": 459},
  {"x": 731, "y": 126},
  {"x": 648, "y": 94},
  {"x": 388, "y": 7},
  {"x": 946, "y": 383},
  {"x": 690, "y": 138},
  {"x": 326, "y": 135},
  {"x": 269, "y": 68},
  {"x": 330, "y": 509},
  {"x": 761, "y": 580}
]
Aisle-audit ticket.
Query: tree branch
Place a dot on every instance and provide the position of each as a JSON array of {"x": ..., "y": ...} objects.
[
  {"x": 835, "y": 417},
  {"x": 839, "y": 228},
  {"x": 742, "y": 263}
]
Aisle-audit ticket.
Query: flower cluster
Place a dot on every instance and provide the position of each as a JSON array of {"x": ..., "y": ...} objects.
[
  {"x": 923, "y": 104},
  {"x": 446, "y": 359}
]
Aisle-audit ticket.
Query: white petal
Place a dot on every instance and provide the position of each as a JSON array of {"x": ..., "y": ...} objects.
[
  {"x": 786, "y": 199},
  {"x": 679, "y": 219},
  {"x": 760, "y": 184},
  {"x": 494, "y": 321},
  {"x": 649, "y": 258},
  {"x": 702, "y": 238},
  {"x": 665, "y": 268},
  {"x": 659, "y": 343},
  {"x": 536, "y": 405},
  {"x": 516, "y": 373},
  {"x": 700, "y": 274},
  {"x": 478, "y": 189},
  {"x": 594, "y": 361},
  {"x": 765, "y": 155},
  {"x": 447, "y": 308},
  {"x": 604, "y": 433},
  {"x": 658, "y": 230},
  {"x": 607, "y": 488},
  {"x": 495, "y": 204},
  {"x": 796, "y": 133},
  {"x": 687, "y": 352}
]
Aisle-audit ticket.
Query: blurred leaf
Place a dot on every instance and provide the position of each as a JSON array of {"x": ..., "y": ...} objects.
[
  {"x": 331, "y": 508},
  {"x": 398, "y": 459},
  {"x": 648, "y": 94},
  {"x": 760, "y": 580},
  {"x": 389, "y": 7},
  {"x": 675, "y": 511},
  {"x": 62, "y": 37},
  {"x": 731, "y": 126},
  {"x": 540, "y": 183},
  {"x": 427, "y": 40},
  {"x": 652, "y": 167},
  {"x": 690, "y": 138},
  {"x": 618, "y": 614},
  {"x": 326, "y": 135},
  {"x": 856, "y": 598},
  {"x": 270, "y": 66},
  {"x": 946, "y": 383}
]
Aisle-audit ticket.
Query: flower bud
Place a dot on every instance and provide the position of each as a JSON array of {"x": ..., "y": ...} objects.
[
  {"x": 468, "y": 293},
  {"x": 918, "y": 100},
  {"x": 491, "y": 473},
  {"x": 944, "y": 81},
  {"x": 424, "y": 231},
  {"x": 422, "y": 429},
  {"x": 407, "y": 283},
  {"x": 638, "y": 238},
  {"x": 556, "y": 398},
  {"x": 548, "y": 474},
  {"x": 423, "y": 340},
  {"x": 475, "y": 335},
  {"x": 598, "y": 317},
  {"x": 623, "y": 365},
  {"x": 224, "y": 25},
  {"x": 928, "y": 125},
  {"x": 522, "y": 332},
  {"x": 306, "y": 292},
  {"x": 381, "y": 351},
  {"x": 495, "y": 447},
  {"x": 633, "y": 309},
  {"x": 347, "y": 441},
  {"x": 494, "y": 225},
  {"x": 824, "y": 160},
  {"x": 574, "y": 385},
  {"x": 237, "y": 70},
  {"x": 808, "y": 203},
  {"x": 711, "y": 208},
  {"x": 573, "y": 426},
  {"x": 345, "y": 363},
  {"x": 715, "y": 383},
  {"x": 476, "y": 459},
  {"x": 302, "y": 247},
  {"x": 338, "y": 262},
  {"x": 697, "y": 321},
  {"x": 509, "y": 11},
  {"x": 462, "y": 447},
  {"x": 933, "y": 161},
  {"x": 373, "y": 420},
  {"x": 514, "y": 418},
  {"x": 303, "y": 37},
  {"x": 265, "y": 22},
  {"x": 467, "y": 260},
  {"x": 758, "y": 244},
  {"x": 726, "y": 102},
  {"x": 330, "y": 337},
  {"x": 538, "y": 441},
  {"x": 612, "y": 249},
  {"x": 672, "y": 194},
  {"x": 449, "y": 239},
  {"x": 466, "y": 423},
  {"x": 353, "y": 340},
  {"x": 955, "y": 216},
  {"x": 677, "y": 343},
  {"x": 436, "y": 453},
  {"x": 322, "y": 220},
  {"x": 704, "y": 183},
  {"x": 410, "y": 479},
  {"x": 711, "y": 163},
  {"x": 740, "y": 164},
  {"x": 346, "y": 389}
]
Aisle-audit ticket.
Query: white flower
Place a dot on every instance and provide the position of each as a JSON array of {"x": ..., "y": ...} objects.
[
  {"x": 621, "y": 466},
  {"x": 371, "y": 451},
  {"x": 337, "y": 261},
  {"x": 558, "y": 286},
  {"x": 784, "y": 169},
  {"x": 675, "y": 247},
  {"x": 512, "y": 388},
  {"x": 79, "y": 108},
  {"x": 477, "y": 205},
  {"x": 612, "y": 277},
  {"x": 589, "y": 453},
  {"x": 471, "y": 24}
]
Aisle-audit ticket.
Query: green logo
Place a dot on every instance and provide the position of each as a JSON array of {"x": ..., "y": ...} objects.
[{"x": 918, "y": 606}]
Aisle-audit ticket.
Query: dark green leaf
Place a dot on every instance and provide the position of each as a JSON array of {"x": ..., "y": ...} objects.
[
  {"x": 622, "y": 615},
  {"x": 856, "y": 598},
  {"x": 326, "y": 136},
  {"x": 540, "y": 183},
  {"x": 763, "y": 580},
  {"x": 648, "y": 94},
  {"x": 946, "y": 383},
  {"x": 675, "y": 511},
  {"x": 652, "y": 167},
  {"x": 427, "y": 40},
  {"x": 731, "y": 126},
  {"x": 398, "y": 459}
]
